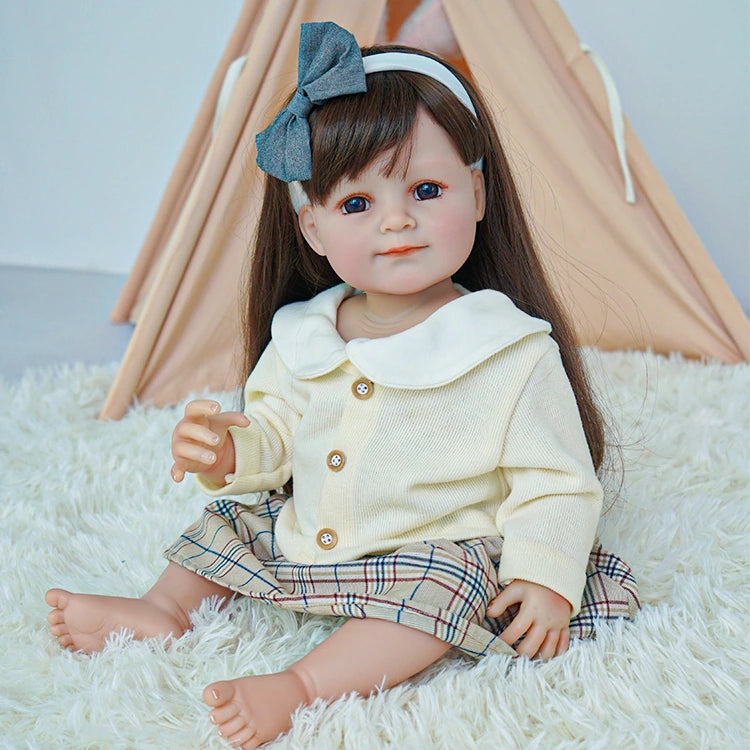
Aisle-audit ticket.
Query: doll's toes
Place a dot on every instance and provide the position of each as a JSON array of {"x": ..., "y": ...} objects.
[
  {"x": 56, "y": 617},
  {"x": 66, "y": 641},
  {"x": 247, "y": 739},
  {"x": 220, "y": 695},
  {"x": 59, "y": 631},
  {"x": 238, "y": 732}
]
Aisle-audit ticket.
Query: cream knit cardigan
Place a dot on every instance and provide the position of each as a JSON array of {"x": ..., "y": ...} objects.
[{"x": 468, "y": 428}]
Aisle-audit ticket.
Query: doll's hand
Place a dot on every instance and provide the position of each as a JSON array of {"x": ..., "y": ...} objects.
[
  {"x": 543, "y": 618},
  {"x": 201, "y": 443}
]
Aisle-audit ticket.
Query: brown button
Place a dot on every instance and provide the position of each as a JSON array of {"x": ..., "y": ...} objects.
[
  {"x": 327, "y": 538},
  {"x": 335, "y": 460},
  {"x": 362, "y": 389}
]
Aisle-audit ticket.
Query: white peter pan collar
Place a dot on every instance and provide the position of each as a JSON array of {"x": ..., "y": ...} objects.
[{"x": 450, "y": 342}]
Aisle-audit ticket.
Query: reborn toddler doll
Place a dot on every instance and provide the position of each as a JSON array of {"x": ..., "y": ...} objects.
[{"x": 415, "y": 388}]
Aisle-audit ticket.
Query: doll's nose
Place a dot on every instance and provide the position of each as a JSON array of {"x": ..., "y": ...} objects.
[{"x": 396, "y": 218}]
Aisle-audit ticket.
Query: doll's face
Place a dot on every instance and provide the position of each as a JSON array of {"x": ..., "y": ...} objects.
[{"x": 404, "y": 232}]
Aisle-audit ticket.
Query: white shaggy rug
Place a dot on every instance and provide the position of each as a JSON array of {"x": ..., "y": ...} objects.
[{"x": 89, "y": 506}]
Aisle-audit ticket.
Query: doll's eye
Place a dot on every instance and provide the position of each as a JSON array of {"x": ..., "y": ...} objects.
[
  {"x": 355, "y": 205},
  {"x": 427, "y": 190}
]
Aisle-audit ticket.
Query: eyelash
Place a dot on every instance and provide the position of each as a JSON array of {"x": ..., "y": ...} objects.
[
  {"x": 348, "y": 198},
  {"x": 430, "y": 183},
  {"x": 342, "y": 204}
]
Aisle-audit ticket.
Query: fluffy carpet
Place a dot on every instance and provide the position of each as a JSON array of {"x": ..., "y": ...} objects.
[{"x": 89, "y": 506}]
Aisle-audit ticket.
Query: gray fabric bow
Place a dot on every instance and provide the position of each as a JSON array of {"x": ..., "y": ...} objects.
[{"x": 329, "y": 65}]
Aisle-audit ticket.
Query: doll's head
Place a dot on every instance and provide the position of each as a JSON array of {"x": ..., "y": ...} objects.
[{"x": 310, "y": 147}]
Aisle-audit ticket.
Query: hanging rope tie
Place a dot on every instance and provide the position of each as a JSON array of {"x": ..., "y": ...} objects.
[
  {"x": 618, "y": 121},
  {"x": 230, "y": 78}
]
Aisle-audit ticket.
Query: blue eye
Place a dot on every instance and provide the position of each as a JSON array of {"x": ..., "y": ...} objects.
[
  {"x": 355, "y": 205},
  {"x": 426, "y": 191}
]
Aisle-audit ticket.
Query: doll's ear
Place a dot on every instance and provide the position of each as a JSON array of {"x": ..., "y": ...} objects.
[
  {"x": 480, "y": 195},
  {"x": 309, "y": 229}
]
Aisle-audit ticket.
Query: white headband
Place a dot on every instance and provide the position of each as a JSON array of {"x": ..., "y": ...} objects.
[{"x": 410, "y": 63}]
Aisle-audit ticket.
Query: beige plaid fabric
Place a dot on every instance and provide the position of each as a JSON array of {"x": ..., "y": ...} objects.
[{"x": 437, "y": 586}]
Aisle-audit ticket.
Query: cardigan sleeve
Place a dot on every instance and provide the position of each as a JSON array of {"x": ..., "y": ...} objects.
[
  {"x": 263, "y": 449},
  {"x": 548, "y": 520}
]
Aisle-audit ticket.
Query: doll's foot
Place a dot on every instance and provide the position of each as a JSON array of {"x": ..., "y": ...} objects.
[
  {"x": 82, "y": 622},
  {"x": 252, "y": 710}
]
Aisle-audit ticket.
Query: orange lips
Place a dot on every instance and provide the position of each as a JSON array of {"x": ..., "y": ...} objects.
[{"x": 403, "y": 250}]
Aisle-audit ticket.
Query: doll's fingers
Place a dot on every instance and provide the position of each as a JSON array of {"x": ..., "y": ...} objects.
[
  {"x": 202, "y": 408},
  {"x": 229, "y": 419},
  {"x": 532, "y": 642},
  {"x": 517, "y": 628},
  {"x": 550, "y": 645},
  {"x": 197, "y": 433},
  {"x": 506, "y": 598},
  {"x": 177, "y": 473},
  {"x": 193, "y": 455},
  {"x": 564, "y": 643}
]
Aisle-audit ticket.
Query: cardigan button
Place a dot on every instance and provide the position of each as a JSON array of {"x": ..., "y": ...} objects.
[
  {"x": 327, "y": 539},
  {"x": 362, "y": 389},
  {"x": 335, "y": 460}
]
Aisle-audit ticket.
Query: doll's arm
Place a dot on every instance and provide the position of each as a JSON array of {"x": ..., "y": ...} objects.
[
  {"x": 549, "y": 517},
  {"x": 202, "y": 443},
  {"x": 543, "y": 619}
]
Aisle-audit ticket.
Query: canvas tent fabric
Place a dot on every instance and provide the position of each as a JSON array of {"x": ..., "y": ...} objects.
[{"x": 633, "y": 275}]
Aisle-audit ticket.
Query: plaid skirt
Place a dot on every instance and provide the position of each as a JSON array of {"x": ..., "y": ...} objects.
[{"x": 439, "y": 587}]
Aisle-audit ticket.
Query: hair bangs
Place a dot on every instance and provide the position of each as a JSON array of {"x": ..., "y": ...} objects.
[{"x": 347, "y": 133}]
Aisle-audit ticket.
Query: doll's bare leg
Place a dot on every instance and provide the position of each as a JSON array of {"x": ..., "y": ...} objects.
[
  {"x": 82, "y": 622},
  {"x": 361, "y": 656}
]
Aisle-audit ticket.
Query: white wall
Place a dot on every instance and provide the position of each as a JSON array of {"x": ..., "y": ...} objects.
[{"x": 97, "y": 99}]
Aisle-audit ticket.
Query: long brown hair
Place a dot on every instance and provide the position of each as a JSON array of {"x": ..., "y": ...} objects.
[{"x": 347, "y": 133}]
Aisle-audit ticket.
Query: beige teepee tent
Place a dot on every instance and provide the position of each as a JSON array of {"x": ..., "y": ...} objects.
[{"x": 633, "y": 274}]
